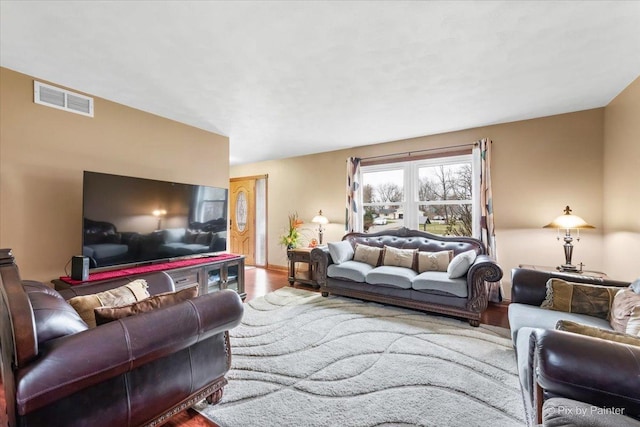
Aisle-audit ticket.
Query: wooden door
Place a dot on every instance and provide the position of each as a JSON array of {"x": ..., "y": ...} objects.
[{"x": 243, "y": 218}]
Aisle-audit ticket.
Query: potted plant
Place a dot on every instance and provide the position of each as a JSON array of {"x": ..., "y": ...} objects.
[{"x": 292, "y": 238}]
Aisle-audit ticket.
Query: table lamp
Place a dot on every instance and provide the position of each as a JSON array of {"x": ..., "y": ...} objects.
[
  {"x": 568, "y": 222},
  {"x": 320, "y": 220},
  {"x": 159, "y": 213}
]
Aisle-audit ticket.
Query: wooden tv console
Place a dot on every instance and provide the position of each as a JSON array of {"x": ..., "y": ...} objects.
[{"x": 210, "y": 274}]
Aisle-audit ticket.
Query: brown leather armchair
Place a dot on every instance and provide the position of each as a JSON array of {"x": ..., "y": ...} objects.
[
  {"x": 601, "y": 373},
  {"x": 560, "y": 364},
  {"x": 135, "y": 371}
]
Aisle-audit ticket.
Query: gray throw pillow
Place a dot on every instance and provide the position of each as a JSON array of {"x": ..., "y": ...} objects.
[
  {"x": 340, "y": 251},
  {"x": 460, "y": 264},
  {"x": 173, "y": 235},
  {"x": 636, "y": 286}
]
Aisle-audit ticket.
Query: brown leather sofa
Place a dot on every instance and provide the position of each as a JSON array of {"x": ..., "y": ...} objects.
[
  {"x": 135, "y": 371},
  {"x": 470, "y": 306},
  {"x": 559, "y": 364}
]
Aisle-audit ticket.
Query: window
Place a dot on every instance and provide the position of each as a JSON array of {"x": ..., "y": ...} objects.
[{"x": 435, "y": 195}]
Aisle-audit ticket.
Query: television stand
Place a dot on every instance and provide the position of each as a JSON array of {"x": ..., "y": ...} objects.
[{"x": 211, "y": 274}]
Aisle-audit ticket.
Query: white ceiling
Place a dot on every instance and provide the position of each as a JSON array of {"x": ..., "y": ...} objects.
[{"x": 289, "y": 78}]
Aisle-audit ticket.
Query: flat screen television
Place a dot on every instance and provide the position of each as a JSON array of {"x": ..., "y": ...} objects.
[{"x": 132, "y": 221}]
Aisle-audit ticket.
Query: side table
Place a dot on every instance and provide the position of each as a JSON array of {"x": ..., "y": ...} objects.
[
  {"x": 588, "y": 273},
  {"x": 302, "y": 256}
]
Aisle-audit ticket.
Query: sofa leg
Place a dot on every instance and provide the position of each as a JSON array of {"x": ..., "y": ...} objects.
[
  {"x": 474, "y": 322},
  {"x": 325, "y": 294},
  {"x": 214, "y": 397}
]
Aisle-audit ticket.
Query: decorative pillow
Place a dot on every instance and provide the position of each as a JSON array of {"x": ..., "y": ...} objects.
[
  {"x": 434, "y": 261},
  {"x": 203, "y": 238},
  {"x": 592, "y": 331},
  {"x": 460, "y": 264},
  {"x": 635, "y": 286},
  {"x": 54, "y": 317},
  {"x": 367, "y": 254},
  {"x": 173, "y": 235},
  {"x": 131, "y": 292},
  {"x": 190, "y": 236},
  {"x": 623, "y": 304},
  {"x": 341, "y": 251},
  {"x": 395, "y": 257},
  {"x": 594, "y": 300},
  {"x": 633, "y": 326},
  {"x": 109, "y": 314}
]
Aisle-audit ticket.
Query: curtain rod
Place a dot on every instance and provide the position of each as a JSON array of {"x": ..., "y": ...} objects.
[{"x": 409, "y": 153}]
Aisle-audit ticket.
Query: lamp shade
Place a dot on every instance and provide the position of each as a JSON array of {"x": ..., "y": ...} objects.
[
  {"x": 568, "y": 221},
  {"x": 320, "y": 219}
]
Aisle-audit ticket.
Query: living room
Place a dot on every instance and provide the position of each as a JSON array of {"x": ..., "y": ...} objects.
[{"x": 585, "y": 158}]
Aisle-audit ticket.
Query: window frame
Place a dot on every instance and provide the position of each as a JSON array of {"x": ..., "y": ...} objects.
[{"x": 411, "y": 186}]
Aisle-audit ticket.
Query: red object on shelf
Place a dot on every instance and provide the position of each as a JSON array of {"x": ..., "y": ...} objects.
[{"x": 113, "y": 274}]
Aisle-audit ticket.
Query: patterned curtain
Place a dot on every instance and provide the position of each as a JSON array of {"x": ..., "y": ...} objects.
[
  {"x": 487, "y": 229},
  {"x": 353, "y": 220}
]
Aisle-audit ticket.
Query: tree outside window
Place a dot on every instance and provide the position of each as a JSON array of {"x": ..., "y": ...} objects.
[{"x": 444, "y": 197}]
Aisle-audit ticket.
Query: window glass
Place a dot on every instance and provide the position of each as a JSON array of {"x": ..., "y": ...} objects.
[
  {"x": 381, "y": 192},
  {"x": 434, "y": 195},
  {"x": 445, "y": 182},
  {"x": 445, "y": 198},
  {"x": 446, "y": 220}
]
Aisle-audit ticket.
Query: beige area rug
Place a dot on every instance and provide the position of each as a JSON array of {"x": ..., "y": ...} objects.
[{"x": 303, "y": 360}]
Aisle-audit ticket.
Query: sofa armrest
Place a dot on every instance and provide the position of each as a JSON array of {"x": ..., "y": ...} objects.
[
  {"x": 219, "y": 244},
  {"x": 323, "y": 259},
  {"x": 530, "y": 286},
  {"x": 484, "y": 269},
  {"x": 74, "y": 362},
  {"x": 600, "y": 372}
]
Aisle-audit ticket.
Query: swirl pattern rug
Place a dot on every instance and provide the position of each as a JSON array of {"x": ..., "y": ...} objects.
[{"x": 300, "y": 359}]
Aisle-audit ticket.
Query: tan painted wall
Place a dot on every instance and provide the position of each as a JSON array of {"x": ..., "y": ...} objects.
[
  {"x": 43, "y": 152},
  {"x": 622, "y": 184},
  {"x": 539, "y": 166}
]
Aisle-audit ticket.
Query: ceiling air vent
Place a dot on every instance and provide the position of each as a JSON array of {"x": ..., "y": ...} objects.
[{"x": 62, "y": 99}]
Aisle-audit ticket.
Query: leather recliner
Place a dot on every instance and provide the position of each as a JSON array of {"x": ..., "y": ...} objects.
[
  {"x": 559, "y": 364},
  {"x": 140, "y": 370}
]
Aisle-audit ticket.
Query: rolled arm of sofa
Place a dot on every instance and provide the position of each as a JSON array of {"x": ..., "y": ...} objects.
[
  {"x": 123, "y": 345},
  {"x": 322, "y": 258},
  {"x": 484, "y": 269},
  {"x": 592, "y": 370}
]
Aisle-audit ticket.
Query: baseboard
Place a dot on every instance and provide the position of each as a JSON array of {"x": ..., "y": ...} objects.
[
  {"x": 502, "y": 304},
  {"x": 274, "y": 267}
]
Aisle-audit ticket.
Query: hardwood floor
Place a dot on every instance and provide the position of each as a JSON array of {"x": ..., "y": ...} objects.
[{"x": 259, "y": 282}]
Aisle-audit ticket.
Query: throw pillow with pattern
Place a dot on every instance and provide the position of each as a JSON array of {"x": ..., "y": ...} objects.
[
  {"x": 367, "y": 254},
  {"x": 395, "y": 257},
  {"x": 434, "y": 261},
  {"x": 594, "y": 300}
]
